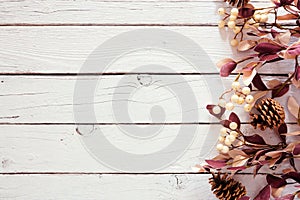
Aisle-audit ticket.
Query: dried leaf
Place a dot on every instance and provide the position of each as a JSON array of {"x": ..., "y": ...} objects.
[
  {"x": 258, "y": 95},
  {"x": 238, "y": 168},
  {"x": 244, "y": 198},
  {"x": 258, "y": 83},
  {"x": 264, "y": 194},
  {"x": 255, "y": 139},
  {"x": 248, "y": 76},
  {"x": 294, "y": 108},
  {"x": 217, "y": 164},
  {"x": 268, "y": 58},
  {"x": 223, "y": 62},
  {"x": 275, "y": 181},
  {"x": 225, "y": 123},
  {"x": 280, "y": 90},
  {"x": 283, "y": 38},
  {"x": 273, "y": 83},
  {"x": 286, "y": 17},
  {"x": 276, "y": 192},
  {"x": 293, "y": 175},
  {"x": 239, "y": 161},
  {"x": 235, "y": 152},
  {"x": 296, "y": 150},
  {"x": 210, "y": 108},
  {"x": 267, "y": 48},
  {"x": 246, "y": 45},
  {"x": 227, "y": 68},
  {"x": 234, "y": 118}
]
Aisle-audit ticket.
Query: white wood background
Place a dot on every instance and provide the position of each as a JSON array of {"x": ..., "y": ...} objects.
[{"x": 43, "y": 46}]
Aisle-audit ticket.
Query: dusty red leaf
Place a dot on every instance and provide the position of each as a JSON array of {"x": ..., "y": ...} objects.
[
  {"x": 264, "y": 194},
  {"x": 258, "y": 83},
  {"x": 255, "y": 139},
  {"x": 293, "y": 175},
  {"x": 280, "y": 90},
  {"x": 234, "y": 118},
  {"x": 225, "y": 123},
  {"x": 294, "y": 50},
  {"x": 246, "y": 11},
  {"x": 297, "y": 73},
  {"x": 217, "y": 164},
  {"x": 296, "y": 150},
  {"x": 239, "y": 168},
  {"x": 269, "y": 57},
  {"x": 227, "y": 68},
  {"x": 267, "y": 48},
  {"x": 275, "y": 181}
]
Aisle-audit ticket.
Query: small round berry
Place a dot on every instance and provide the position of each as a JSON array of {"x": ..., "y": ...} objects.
[
  {"x": 225, "y": 149},
  {"x": 221, "y": 11},
  {"x": 257, "y": 17},
  {"x": 233, "y": 125},
  {"x": 236, "y": 30},
  {"x": 220, "y": 147},
  {"x": 227, "y": 142},
  {"x": 247, "y": 107},
  {"x": 223, "y": 131},
  {"x": 221, "y": 139},
  {"x": 229, "y": 106},
  {"x": 246, "y": 90},
  {"x": 234, "y": 98},
  {"x": 264, "y": 18},
  {"x": 241, "y": 100},
  {"x": 235, "y": 85},
  {"x": 216, "y": 110},
  {"x": 234, "y": 11},
  {"x": 222, "y": 103},
  {"x": 231, "y": 138},
  {"x": 231, "y": 24},
  {"x": 249, "y": 98},
  {"x": 234, "y": 133},
  {"x": 221, "y": 24},
  {"x": 234, "y": 42},
  {"x": 240, "y": 143},
  {"x": 232, "y": 17}
]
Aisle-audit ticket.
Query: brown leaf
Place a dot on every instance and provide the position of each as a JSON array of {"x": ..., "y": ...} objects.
[
  {"x": 283, "y": 38},
  {"x": 294, "y": 108},
  {"x": 235, "y": 152},
  {"x": 264, "y": 194},
  {"x": 296, "y": 133},
  {"x": 248, "y": 76},
  {"x": 246, "y": 45},
  {"x": 255, "y": 139},
  {"x": 287, "y": 17},
  {"x": 273, "y": 83}
]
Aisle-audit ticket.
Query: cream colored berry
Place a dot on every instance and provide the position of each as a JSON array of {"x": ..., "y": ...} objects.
[
  {"x": 264, "y": 18},
  {"x": 246, "y": 90},
  {"x": 234, "y": 133},
  {"x": 234, "y": 42},
  {"x": 220, "y": 147},
  {"x": 233, "y": 125},
  {"x": 257, "y": 17},
  {"x": 249, "y": 98},
  {"x": 247, "y": 107},
  {"x": 231, "y": 24},
  {"x": 240, "y": 143},
  {"x": 223, "y": 131},
  {"x": 216, "y": 110},
  {"x": 234, "y": 11},
  {"x": 221, "y": 24},
  {"x": 227, "y": 142},
  {"x": 231, "y": 138},
  {"x": 221, "y": 139},
  {"x": 229, "y": 106},
  {"x": 234, "y": 98},
  {"x": 232, "y": 17},
  {"x": 222, "y": 103},
  {"x": 235, "y": 85},
  {"x": 236, "y": 30},
  {"x": 221, "y": 11},
  {"x": 225, "y": 149},
  {"x": 241, "y": 100},
  {"x": 247, "y": 25}
]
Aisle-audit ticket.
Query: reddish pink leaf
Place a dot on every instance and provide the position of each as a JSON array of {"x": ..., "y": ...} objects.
[
  {"x": 282, "y": 129},
  {"x": 264, "y": 194},
  {"x": 217, "y": 164},
  {"x": 255, "y": 139},
  {"x": 237, "y": 168},
  {"x": 227, "y": 68},
  {"x": 244, "y": 198},
  {"x": 269, "y": 57},
  {"x": 296, "y": 150},
  {"x": 280, "y": 90},
  {"x": 293, "y": 175},
  {"x": 286, "y": 197},
  {"x": 298, "y": 5},
  {"x": 297, "y": 73},
  {"x": 225, "y": 123},
  {"x": 258, "y": 83},
  {"x": 294, "y": 50},
  {"x": 275, "y": 182},
  {"x": 245, "y": 12},
  {"x": 210, "y": 110},
  {"x": 234, "y": 118},
  {"x": 267, "y": 48}
]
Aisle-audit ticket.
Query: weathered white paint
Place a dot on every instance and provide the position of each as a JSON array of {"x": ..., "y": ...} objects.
[{"x": 65, "y": 49}]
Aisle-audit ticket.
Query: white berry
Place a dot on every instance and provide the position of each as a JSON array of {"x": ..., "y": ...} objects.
[
  {"x": 236, "y": 30},
  {"x": 231, "y": 24},
  {"x": 227, "y": 142},
  {"x": 234, "y": 133},
  {"x": 221, "y": 11},
  {"x": 232, "y": 17},
  {"x": 234, "y": 11},
  {"x": 221, "y": 139},
  {"x": 223, "y": 131},
  {"x": 222, "y": 103},
  {"x": 216, "y": 110},
  {"x": 225, "y": 149},
  {"x": 246, "y": 90},
  {"x": 264, "y": 18},
  {"x": 231, "y": 138},
  {"x": 234, "y": 98},
  {"x": 257, "y": 17},
  {"x": 235, "y": 85},
  {"x": 221, "y": 24},
  {"x": 233, "y": 125},
  {"x": 247, "y": 107},
  {"x": 229, "y": 106},
  {"x": 220, "y": 147},
  {"x": 240, "y": 100},
  {"x": 249, "y": 99}
]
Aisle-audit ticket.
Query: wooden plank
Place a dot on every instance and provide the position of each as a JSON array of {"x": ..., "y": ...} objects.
[
  {"x": 114, "y": 99},
  {"x": 65, "y": 50},
  {"x": 59, "y": 149},
  {"x": 110, "y": 12},
  {"x": 78, "y": 187}
]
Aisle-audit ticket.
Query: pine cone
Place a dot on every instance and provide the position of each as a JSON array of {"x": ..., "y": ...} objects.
[
  {"x": 271, "y": 114},
  {"x": 226, "y": 188},
  {"x": 238, "y": 3}
]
